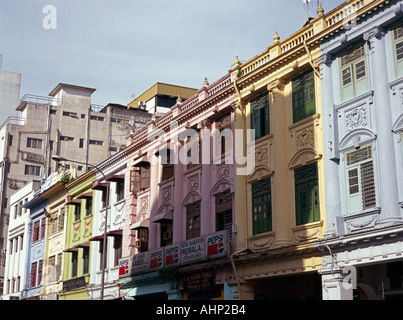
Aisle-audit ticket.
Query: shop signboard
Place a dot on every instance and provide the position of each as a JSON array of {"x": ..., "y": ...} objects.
[
  {"x": 156, "y": 259},
  {"x": 172, "y": 253},
  {"x": 192, "y": 250},
  {"x": 200, "y": 249}
]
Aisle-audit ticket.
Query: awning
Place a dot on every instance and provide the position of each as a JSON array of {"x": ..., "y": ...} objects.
[
  {"x": 73, "y": 249},
  {"x": 115, "y": 233},
  {"x": 141, "y": 162},
  {"x": 163, "y": 217},
  {"x": 85, "y": 195},
  {"x": 116, "y": 177},
  {"x": 77, "y": 246},
  {"x": 99, "y": 185},
  {"x": 70, "y": 200},
  {"x": 141, "y": 224},
  {"x": 97, "y": 238}
]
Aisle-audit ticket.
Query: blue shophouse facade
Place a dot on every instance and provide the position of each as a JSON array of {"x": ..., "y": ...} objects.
[{"x": 362, "y": 92}]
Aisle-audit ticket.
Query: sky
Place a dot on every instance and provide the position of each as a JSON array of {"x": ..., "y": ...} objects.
[{"x": 123, "y": 47}]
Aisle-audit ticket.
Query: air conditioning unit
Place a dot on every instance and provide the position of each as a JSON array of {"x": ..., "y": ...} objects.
[
  {"x": 167, "y": 235},
  {"x": 138, "y": 243}
]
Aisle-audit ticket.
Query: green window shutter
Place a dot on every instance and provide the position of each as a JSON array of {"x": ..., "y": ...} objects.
[
  {"x": 303, "y": 94},
  {"x": 261, "y": 206},
  {"x": 307, "y": 207},
  {"x": 260, "y": 116}
]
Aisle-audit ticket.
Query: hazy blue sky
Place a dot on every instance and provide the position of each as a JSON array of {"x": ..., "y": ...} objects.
[{"x": 123, "y": 47}]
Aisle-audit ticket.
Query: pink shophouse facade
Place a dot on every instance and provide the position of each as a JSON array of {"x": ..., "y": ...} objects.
[{"x": 180, "y": 227}]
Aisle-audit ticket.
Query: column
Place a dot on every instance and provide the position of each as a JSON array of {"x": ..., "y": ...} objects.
[
  {"x": 387, "y": 180},
  {"x": 331, "y": 154},
  {"x": 178, "y": 227},
  {"x": 335, "y": 286},
  {"x": 281, "y": 210}
]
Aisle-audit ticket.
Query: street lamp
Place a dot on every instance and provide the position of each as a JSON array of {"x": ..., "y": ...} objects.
[{"x": 58, "y": 159}]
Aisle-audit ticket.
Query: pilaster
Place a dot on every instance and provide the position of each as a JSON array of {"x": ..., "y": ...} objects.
[{"x": 387, "y": 180}]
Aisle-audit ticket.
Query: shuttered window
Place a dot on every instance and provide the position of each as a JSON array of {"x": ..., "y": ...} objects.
[
  {"x": 224, "y": 212},
  {"x": 193, "y": 220},
  {"x": 307, "y": 206},
  {"x": 360, "y": 180},
  {"x": 140, "y": 177},
  {"x": 398, "y": 46},
  {"x": 303, "y": 96},
  {"x": 261, "y": 206},
  {"x": 260, "y": 117},
  {"x": 354, "y": 80}
]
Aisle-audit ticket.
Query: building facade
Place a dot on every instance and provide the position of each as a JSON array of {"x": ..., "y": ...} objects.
[
  {"x": 65, "y": 123},
  {"x": 362, "y": 88},
  {"x": 280, "y": 200},
  {"x": 18, "y": 241},
  {"x": 180, "y": 201},
  {"x": 78, "y": 231}
]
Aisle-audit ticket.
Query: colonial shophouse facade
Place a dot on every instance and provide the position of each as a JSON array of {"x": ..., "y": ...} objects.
[
  {"x": 180, "y": 214},
  {"x": 362, "y": 90}
]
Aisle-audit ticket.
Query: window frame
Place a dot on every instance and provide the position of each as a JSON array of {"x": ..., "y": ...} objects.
[
  {"x": 193, "y": 220},
  {"x": 223, "y": 212},
  {"x": 356, "y": 86},
  {"x": 303, "y": 96},
  {"x": 260, "y": 109},
  {"x": 261, "y": 204},
  {"x": 140, "y": 177},
  {"x": 397, "y": 40},
  {"x": 306, "y": 192},
  {"x": 358, "y": 199}
]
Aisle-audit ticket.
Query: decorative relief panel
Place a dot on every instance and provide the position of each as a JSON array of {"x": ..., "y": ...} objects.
[
  {"x": 305, "y": 138},
  {"x": 261, "y": 155},
  {"x": 167, "y": 193},
  {"x": 356, "y": 118},
  {"x": 222, "y": 171},
  {"x": 193, "y": 182},
  {"x": 259, "y": 243},
  {"x": 362, "y": 221}
]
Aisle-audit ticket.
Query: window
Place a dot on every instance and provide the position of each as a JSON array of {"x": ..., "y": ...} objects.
[
  {"x": 43, "y": 224},
  {"x": 193, "y": 220},
  {"x": 88, "y": 206},
  {"x": 167, "y": 167},
  {"x": 10, "y": 139},
  {"x": 354, "y": 80},
  {"x": 260, "y": 117},
  {"x": 120, "y": 190},
  {"x": 101, "y": 253},
  {"x": 303, "y": 96},
  {"x": 40, "y": 267},
  {"x": 70, "y": 114},
  {"x": 66, "y": 138},
  {"x": 77, "y": 212},
  {"x": 193, "y": 145},
  {"x": 140, "y": 177},
  {"x": 360, "y": 180},
  {"x": 74, "y": 264},
  {"x": 223, "y": 209},
  {"x": 142, "y": 240},
  {"x": 60, "y": 220},
  {"x": 398, "y": 50},
  {"x": 117, "y": 247},
  {"x": 166, "y": 234},
  {"x": 306, "y": 194},
  {"x": 224, "y": 135},
  {"x": 52, "y": 267},
  {"x": 52, "y": 111},
  {"x": 35, "y": 233},
  {"x": 34, "y": 143},
  {"x": 86, "y": 260},
  {"x": 33, "y": 274},
  {"x": 261, "y": 206},
  {"x": 96, "y": 142},
  {"x": 97, "y": 118},
  {"x": 81, "y": 145}
]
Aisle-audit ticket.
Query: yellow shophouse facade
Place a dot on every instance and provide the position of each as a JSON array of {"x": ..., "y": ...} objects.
[
  {"x": 281, "y": 201},
  {"x": 78, "y": 231}
]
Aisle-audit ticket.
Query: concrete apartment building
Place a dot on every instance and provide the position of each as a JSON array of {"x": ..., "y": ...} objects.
[
  {"x": 10, "y": 83},
  {"x": 65, "y": 123}
]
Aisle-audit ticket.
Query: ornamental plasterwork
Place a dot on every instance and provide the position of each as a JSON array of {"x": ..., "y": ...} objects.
[
  {"x": 362, "y": 221},
  {"x": 305, "y": 138},
  {"x": 143, "y": 204},
  {"x": 356, "y": 118},
  {"x": 167, "y": 193},
  {"x": 193, "y": 182},
  {"x": 222, "y": 171},
  {"x": 261, "y": 243},
  {"x": 261, "y": 155}
]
